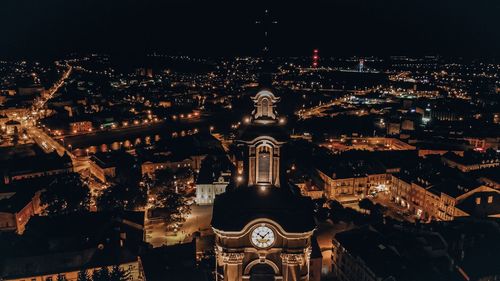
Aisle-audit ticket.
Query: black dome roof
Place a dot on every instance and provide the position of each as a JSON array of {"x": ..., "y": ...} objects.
[{"x": 235, "y": 208}]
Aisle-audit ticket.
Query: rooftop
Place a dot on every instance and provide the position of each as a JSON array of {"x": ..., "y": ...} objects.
[{"x": 235, "y": 208}]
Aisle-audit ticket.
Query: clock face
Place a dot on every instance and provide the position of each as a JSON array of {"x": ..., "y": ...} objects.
[{"x": 262, "y": 237}]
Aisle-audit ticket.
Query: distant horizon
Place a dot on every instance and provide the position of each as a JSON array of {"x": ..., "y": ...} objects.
[
  {"x": 54, "y": 28},
  {"x": 135, "y": 56}
]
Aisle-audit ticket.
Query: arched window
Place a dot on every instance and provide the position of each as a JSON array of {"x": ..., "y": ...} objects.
[
  {"x": 264, "y": 164},
  {"x": 265, "y": 107}
]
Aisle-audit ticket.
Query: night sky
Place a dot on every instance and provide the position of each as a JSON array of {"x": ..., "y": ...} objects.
[{"x": 53, "y": 28}]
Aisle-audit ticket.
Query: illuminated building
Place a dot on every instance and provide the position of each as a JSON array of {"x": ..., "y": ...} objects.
[
  {"x": 444, "y": 194},
  {"x": 263, "y": 225},
  {"x": 81, "y": 126},
  {"x": 213, "y": 178},
  {"x": 17, "y": 207},
  {"x": 40, "y": 164}
]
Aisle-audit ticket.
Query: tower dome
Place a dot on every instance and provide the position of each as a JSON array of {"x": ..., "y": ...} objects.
[{"x": 263, "y": 229}]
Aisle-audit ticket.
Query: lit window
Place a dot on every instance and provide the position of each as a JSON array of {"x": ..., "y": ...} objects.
[
  {"x": 478, "y": 200},
  {"x": 490, "y": 199}
]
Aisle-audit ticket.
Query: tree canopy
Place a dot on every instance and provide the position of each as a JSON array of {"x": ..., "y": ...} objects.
[
  {"x": 66, "y": 194},
  {"x": 104, "y": 274},
  {"x": 174, "y": 203},
  {"x": 122, "y": 197}
]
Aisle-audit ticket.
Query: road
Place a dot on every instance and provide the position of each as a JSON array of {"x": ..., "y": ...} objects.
[
  {"x": 34, "y": 113},
  {"x": 325, "y": 233},
  {"x": 47, "y": 143},
  {"x": 394, "y": 210},
  {"x": 199, "y": 220},
  {"x": 317, "y": 111}
]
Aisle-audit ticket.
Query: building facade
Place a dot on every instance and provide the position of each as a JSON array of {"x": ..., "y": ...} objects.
[
  {"x": 263, "y": 229},
  {"x": 206, "y": 192}
]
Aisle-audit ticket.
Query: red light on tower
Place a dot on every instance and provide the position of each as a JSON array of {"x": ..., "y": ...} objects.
[{"x": 315, "y": 58}]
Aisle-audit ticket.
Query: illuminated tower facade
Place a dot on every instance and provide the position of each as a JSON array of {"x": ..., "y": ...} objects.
[
  {"x": 263, "y": 226},
  {"x": 263, "y": 151}
]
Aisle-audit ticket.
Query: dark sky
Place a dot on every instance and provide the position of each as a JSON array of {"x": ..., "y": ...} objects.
[{"x": 52, "y": 28}]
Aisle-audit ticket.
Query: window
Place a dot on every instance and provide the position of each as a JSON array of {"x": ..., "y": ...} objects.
[
  {"x": 264, "y": 165},
  {"x": 265, "y": 107},
  {"x": 478, "y": 200},
  {"x": 490, "y": 199}
]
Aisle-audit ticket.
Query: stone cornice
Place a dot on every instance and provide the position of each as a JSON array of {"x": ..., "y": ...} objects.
[
  {"x": 292, "y": 259},
  {"x": 232, "y": 258}
]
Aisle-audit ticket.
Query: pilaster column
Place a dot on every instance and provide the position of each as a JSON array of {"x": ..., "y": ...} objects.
[
  {"x": 291, "y": 266},
  {"x": 252, "y": 170},
  {"x": 233, "y": 266}
]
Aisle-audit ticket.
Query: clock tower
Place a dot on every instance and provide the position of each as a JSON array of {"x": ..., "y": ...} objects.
[{"x": 263, "y": 226}]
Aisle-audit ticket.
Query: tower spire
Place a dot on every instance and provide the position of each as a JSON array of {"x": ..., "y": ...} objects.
[{"x": 266, "y": 22}]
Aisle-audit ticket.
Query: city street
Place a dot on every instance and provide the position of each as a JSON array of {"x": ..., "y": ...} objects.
[
  {"x": 325, "y": 233},
  {"x": 198, "y": 220},
  {"x": 394, "y": 210}
]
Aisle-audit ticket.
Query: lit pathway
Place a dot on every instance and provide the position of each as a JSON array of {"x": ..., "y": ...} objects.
[{"x": 198, "y": 220}]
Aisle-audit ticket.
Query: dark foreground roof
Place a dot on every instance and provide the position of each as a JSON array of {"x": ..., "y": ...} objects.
[
  {"x": 65, "y": 243},
  {"x": 255, "y": 130},
  {"x": 234, "y": 209},
  {"x": 484, "y": 208},
  {"x": 174, "y": 263}
]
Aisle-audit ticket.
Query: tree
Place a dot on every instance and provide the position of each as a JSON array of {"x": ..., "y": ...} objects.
[
  {"x": 322, "y": 214},
  {"x": 337, "y": 211},
  {"x": 83, "y": 275},
  {"x": 128, "y": 170},
  {"x": 377, "y": 213},
  {"x": 335, "y": 205},
  {"x": 366, "y": 204},
  {"x": 174, "y": 203},
  {"x": 122, "y": 197},
  {"x": 101, "y": 274},
  {"x": 164, "y": 177},
  {"x": 318, "y": 203},
  {"x": 66, "y": 194},
  {"x": 184, "y": 174},
  {"x": 118, "y": 274},
  {"x": 167, "y": 179}
]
